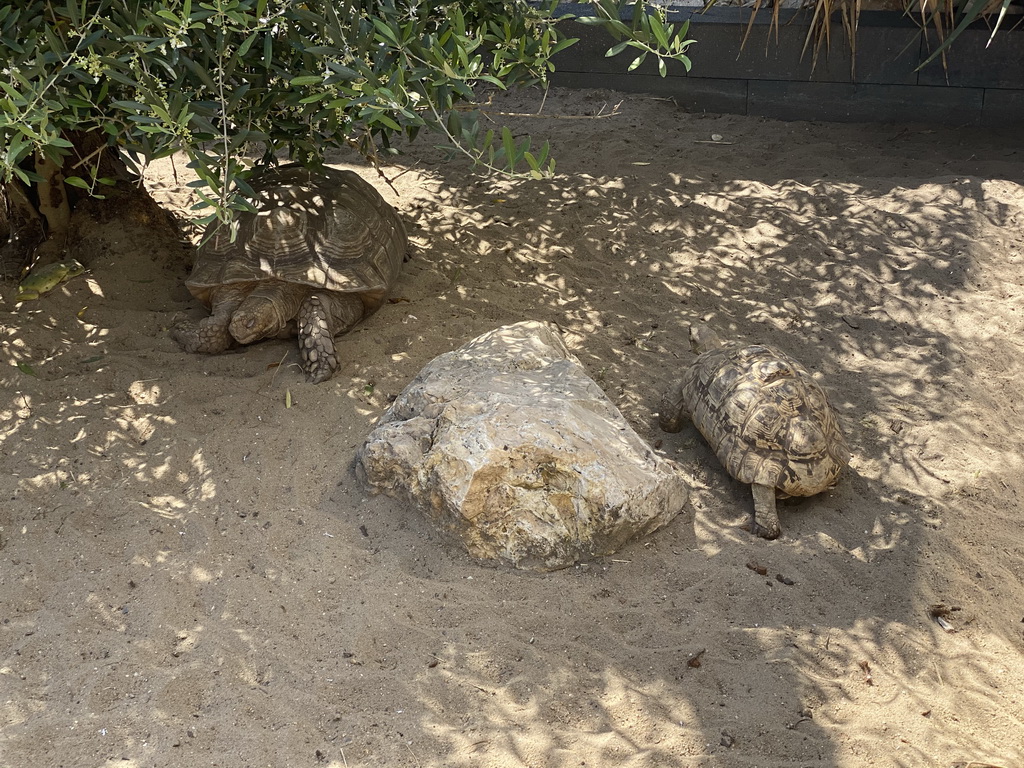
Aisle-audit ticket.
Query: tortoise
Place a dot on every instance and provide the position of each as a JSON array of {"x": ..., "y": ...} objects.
[
  {"x": 320, "y": 253},
  {"x": 767, "y": 419}
]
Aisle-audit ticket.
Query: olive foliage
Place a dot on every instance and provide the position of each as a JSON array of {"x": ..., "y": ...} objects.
[{"x": 235, "y": 84}]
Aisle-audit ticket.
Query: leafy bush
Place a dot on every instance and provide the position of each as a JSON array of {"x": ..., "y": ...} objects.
[{"x": 221, "y": 79}]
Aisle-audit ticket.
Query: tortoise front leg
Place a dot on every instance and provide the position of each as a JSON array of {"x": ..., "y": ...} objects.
[
  {"x": 209, "y": 335},
  {"x": 320, "y": 319},
  {"x": 764, "y": 521},
  {"x": 673, "y": 413}
]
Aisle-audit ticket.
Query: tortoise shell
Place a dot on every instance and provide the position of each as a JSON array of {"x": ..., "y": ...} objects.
[
  {"x": 326, "y": 228},
  {"x": 767, "y": 419}
]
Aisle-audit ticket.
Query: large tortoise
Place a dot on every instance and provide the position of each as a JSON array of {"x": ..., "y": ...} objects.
[
  {"x": 766, "y": 418},
  {"x": 320, "y": 254}
]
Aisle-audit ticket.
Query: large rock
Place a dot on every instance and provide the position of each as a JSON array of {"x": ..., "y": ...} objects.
[{"x": 508, "y": 444}]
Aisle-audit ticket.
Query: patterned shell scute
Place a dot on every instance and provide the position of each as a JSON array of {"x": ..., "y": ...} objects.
[
  {"x": 328, "y": 229},
  {"x": 766, "y": 418}
]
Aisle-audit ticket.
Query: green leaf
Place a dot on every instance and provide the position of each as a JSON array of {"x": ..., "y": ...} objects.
[
  {"x": 509, "y": 145},
  {"x": 561, "y": 45},
  {"x": 615, "y": 50},
  {"x": 342, "y": 72},
  {"x": 13, "y": 94},
  {"x": 385, "y": 31},
  {"x": 658, "y": 28},
  {"x": 380, "y": 117},
  {"x": 17, "y": 149},
  {"x": 247, "y": 44},
  {"x": 132, "y": 106},
  {"x": 454, "y": 124},
  {"x": 491, "y": 80}
]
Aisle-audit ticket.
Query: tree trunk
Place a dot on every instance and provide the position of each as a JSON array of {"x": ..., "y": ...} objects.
[
  {"x": 39, "y": 224},
  {"x": 21, "y": 229},
  {"x": 53, "y": 203}
]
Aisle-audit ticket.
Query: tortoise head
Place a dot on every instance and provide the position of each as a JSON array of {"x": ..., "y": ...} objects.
[{"x": 703, "y": 338}]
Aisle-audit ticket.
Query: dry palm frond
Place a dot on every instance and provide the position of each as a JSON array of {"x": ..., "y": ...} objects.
[
  {"x": 851, "y": 19},
  {"x": 948, "y": 18},
  {"x": 820, "y": 31},
  {"x": 943, "y": 15},
  {"x": 938, "y": 13}
]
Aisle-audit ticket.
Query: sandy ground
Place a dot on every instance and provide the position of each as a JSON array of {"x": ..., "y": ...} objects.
[{"x": 190, "y": 574}]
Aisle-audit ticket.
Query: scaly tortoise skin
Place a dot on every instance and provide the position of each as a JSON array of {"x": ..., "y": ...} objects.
[
  {"x": 768, "y": 421},
  {"x": 321, "y": 254}
]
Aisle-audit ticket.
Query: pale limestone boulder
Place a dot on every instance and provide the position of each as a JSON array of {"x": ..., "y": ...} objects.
[{"x": 509, "y": 445}]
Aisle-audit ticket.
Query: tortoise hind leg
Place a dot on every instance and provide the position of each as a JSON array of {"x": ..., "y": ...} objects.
[
  {"x": 320, "y": 319},
  {"x": 764, "y": 521}
]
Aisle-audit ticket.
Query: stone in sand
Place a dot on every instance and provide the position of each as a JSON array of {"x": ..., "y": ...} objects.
[{"x": 509, "y": 445}]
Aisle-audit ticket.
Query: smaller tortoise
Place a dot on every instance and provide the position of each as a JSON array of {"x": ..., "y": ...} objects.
[
  {"x": 320, "y": 254},
  {"x": 767, "y": 420}
]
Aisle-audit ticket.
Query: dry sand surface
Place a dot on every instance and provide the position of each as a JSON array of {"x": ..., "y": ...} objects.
[{"x": 190, "y": 574}]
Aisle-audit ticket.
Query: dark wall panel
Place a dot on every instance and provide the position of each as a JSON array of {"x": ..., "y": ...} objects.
[{"x": 774, "y": 75}]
